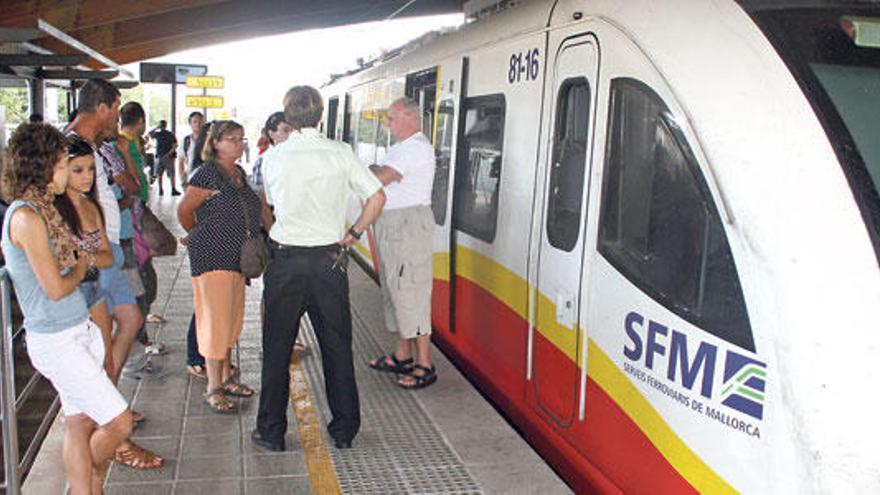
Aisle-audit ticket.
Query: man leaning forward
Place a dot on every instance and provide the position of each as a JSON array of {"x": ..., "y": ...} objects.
[{"x": 404, "y": 240}]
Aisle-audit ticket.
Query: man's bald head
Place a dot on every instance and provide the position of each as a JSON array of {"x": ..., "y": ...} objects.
[{"x": 404, "y": 118}]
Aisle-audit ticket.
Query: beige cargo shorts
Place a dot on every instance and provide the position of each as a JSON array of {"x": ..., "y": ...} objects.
[{"x": 404, "y": 241}]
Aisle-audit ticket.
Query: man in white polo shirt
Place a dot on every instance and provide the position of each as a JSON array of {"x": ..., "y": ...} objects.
[{"x": 404, "y": 240}]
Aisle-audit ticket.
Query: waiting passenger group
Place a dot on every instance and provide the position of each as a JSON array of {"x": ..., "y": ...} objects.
[{"x": 73, "y": 244}]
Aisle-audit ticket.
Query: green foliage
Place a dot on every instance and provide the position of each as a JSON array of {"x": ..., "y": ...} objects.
[{"x": 15, "y": 100}]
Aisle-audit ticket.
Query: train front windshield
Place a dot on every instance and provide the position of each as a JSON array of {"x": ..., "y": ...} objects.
[{"x": 834, "y": 53}]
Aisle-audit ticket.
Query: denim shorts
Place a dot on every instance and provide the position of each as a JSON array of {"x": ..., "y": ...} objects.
[
  {"x": 113, "y": 284},
  {"x": 92, "y": 293}
]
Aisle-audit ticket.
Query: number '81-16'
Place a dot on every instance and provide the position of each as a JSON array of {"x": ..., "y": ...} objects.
[{"x": 523, "y": 66}]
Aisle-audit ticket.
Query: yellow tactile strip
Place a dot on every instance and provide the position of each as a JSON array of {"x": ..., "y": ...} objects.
[{"x": 322, "y": 474}]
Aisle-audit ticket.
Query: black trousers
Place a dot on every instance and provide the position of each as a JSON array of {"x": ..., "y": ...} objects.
[{"x": 299, "y": 281}]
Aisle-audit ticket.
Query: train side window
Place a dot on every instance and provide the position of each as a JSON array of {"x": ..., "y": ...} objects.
[
  {"x": 478, "y": 164},
  {"x": 659, "y": 225},
  {"x": 332, "y": 114},
  {"x": 566, "y": 187},
  {"x": 443, "y": 154}
]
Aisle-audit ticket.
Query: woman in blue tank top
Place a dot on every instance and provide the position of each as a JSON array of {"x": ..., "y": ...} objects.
[{"x": 46, "y": 269}]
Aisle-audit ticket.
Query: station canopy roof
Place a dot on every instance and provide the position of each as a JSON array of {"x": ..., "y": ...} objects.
[{"x": 70, "y": 39}]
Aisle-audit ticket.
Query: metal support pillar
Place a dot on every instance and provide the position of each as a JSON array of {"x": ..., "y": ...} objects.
[
  {"x": 173, "y": 107},
  {"x": 38, "y": 96}
]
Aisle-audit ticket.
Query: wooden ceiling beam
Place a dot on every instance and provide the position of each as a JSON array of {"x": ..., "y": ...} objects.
[
  {"x": 158, "y": 47},
  {"x": 71, "y": 15}
]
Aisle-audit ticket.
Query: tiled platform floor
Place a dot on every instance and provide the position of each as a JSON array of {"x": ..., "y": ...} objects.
[{"x": 443, "y": 439}]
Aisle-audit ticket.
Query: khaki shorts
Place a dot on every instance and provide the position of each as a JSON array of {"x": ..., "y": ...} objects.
[{"x": 404, "y": 239}]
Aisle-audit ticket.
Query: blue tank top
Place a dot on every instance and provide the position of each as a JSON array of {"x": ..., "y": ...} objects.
[{"x": 41, "y": 313}]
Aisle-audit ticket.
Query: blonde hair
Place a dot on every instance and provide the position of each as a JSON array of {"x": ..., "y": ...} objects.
[{"x": 216, "y": 131}]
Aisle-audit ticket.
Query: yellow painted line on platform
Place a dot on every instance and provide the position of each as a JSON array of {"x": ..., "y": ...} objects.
[{"x": 322, "y": 474}]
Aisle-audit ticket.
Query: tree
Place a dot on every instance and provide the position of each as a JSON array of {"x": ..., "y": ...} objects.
[{"x": 15, "y": 100}]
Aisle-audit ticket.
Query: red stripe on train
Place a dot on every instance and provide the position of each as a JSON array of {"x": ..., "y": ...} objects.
[{"x": 607, "y": 453}]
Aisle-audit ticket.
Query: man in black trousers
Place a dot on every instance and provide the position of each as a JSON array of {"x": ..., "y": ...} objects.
[{"x": 307, "y": 182}]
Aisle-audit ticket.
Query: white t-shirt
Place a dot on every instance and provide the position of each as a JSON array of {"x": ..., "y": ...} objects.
[
  {"x": 109, "y": 205},
  {"x": 413, "y": 158}
]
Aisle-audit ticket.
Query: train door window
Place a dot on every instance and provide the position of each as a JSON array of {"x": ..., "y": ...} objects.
[
  {"x": 478, "y": 163},
  {"x": 383, "y": 134},
  {"x": 332, "y": 111},
  {"x": 346, "y": 122},
  {"x": 365, "y": 136},
  {"x": 422, "y": 88},
  {"x": 659, "y": 225},
  {"x": 566, "y": 187},
  {"x": 443, "y": 154}
]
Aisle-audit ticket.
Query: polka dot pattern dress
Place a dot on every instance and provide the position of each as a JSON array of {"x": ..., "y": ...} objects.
[{"x": 215, "y": 242}]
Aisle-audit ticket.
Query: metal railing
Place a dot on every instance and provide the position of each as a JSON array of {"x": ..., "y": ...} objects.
[{"x": 16, "y": 466}]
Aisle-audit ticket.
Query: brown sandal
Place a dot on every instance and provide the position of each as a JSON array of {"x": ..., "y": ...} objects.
[
  {"x": 217, "y": 401},
  {"x": 237, "y": 389},
  {"x": 137, "y": 457}
]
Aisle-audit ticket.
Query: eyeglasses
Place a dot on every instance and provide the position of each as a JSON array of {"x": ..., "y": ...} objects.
[{"x": 234, "y": 139}]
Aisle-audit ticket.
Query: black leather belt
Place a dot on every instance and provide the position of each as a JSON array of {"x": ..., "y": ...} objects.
[{"x": 277, "y": 246}]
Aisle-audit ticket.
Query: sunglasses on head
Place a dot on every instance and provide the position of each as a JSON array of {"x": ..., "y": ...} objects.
[{"x": 77, "y": 147}]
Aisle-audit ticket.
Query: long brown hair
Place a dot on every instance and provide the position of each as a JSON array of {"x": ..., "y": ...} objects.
[{"x": 78, "y": 147}]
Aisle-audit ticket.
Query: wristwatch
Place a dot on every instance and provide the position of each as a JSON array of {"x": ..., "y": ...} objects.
[{"x": 357, "y": 235}]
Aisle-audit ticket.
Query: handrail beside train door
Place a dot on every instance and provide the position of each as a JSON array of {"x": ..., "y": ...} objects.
[{"x": 454, "y": 180}]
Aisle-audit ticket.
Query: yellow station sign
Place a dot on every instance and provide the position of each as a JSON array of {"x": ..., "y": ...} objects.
[
  {"x": 207, "y": 82},
  {"x": 204, "y": 101}
]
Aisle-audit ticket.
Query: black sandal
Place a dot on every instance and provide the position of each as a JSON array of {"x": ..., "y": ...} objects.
[
  {"x": 428, "y": 376},
  {"x": 399, "y": 366}
]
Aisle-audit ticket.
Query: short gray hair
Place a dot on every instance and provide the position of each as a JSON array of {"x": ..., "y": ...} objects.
[
  {"x": 303, "y": 107},
  {"x": 409, "y": 106}
]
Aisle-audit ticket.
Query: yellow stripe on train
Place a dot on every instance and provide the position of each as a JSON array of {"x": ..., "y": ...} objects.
[{"x": 512, "y": 290}]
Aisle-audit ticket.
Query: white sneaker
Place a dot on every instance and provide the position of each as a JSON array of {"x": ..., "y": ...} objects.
[{"x": 156, "y": 349}]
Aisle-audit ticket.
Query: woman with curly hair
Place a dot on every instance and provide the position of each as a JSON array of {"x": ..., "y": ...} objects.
[{"x": 47, "y": 268}]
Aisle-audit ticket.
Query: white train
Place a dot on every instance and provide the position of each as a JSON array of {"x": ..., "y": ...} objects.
[{"x": 658, "y": 233}]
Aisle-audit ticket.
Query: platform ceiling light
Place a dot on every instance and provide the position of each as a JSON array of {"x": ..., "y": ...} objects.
[{"x": 864, "y": 31}]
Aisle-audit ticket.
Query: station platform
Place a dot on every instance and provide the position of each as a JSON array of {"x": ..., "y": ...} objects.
[{"x": 444, "y": 439}]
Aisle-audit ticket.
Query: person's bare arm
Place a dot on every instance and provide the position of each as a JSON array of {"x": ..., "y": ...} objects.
[
  {"x": 130, "y": 180},
  {"x": 266, "y": 213},
  {"x": 104, "y": 256},
  {"x": 386, "y": 174},
  {"x": 28, "y": 232},
  {"x": 193, "y": 197},
  {"x": 369, "y": 213}
]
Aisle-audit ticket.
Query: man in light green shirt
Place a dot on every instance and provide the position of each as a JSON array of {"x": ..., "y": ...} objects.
[{"x": 308, "y": 180}]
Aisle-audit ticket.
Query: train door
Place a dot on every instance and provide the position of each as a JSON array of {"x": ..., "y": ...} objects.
[
  {"x": 556, "y": 332},
  {"x": 422, "y": 87}
]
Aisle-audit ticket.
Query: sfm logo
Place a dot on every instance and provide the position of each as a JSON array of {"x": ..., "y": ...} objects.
[{"x": 743, "y": 380}]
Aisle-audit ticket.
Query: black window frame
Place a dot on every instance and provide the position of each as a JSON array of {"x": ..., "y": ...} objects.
[
  {"x": 566, "y": 236},
  {"x": 463, "y": 168},
  {"x": 742, "y": 336}
]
